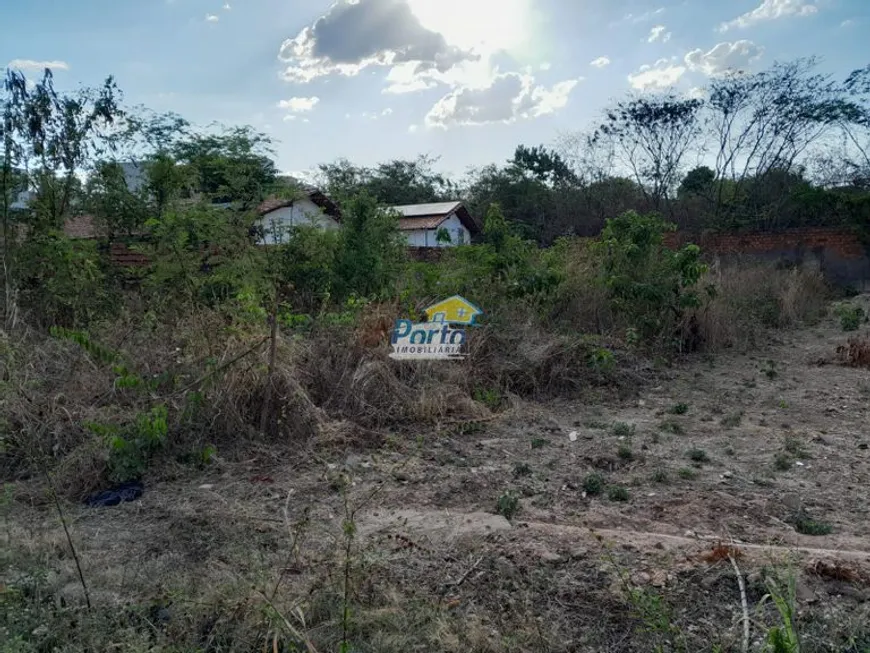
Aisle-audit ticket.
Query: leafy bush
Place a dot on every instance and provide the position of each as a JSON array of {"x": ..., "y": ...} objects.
[
  {"x": 649, "y": 285},
  {"x": 617, "y": 493},
  {"x": 593, "y": 484},
  {"x": 131, "y": 446},
  {"x": 851, "y": 317},
  {"x": 508, "y": 505},
  {"x": 371, "y": 250}
]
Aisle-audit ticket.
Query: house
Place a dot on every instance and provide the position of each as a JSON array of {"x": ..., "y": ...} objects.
[
  {"x": 453, "y": 310},
  {"x": 438, "y": 224},
  {"x": 277, "y": 216},
  {"x": 21, "y": 200}
]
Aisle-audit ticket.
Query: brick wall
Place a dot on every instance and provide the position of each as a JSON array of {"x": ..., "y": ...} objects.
[{"x": 839, "y": 252}]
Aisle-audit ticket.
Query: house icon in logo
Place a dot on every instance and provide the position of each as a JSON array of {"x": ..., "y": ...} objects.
[{"x": 453, "y": 310}]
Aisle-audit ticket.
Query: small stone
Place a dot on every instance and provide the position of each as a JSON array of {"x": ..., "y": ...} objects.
[
  {"x": 641, "y": 578},
  {"x": 689, "y": 534},
  {"x": 641, "y": 403},
  {"x": 803, "y": 592},
  {"x": 728, "y": 475},
  {"x": 207, "y": 486},
  {"x": 549, "y": 556}
]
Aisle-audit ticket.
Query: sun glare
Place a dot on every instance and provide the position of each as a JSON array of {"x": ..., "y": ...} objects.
[{"x": 488, "y": 25}]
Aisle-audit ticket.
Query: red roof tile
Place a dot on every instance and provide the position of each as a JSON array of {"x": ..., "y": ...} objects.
[{"x": 421, "y": 222}]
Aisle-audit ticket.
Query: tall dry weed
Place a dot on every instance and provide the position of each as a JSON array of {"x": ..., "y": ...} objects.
[{"x": 752, "y": 298}]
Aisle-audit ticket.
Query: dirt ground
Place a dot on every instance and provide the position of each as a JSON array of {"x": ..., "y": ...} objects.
[{"x": 741, "y": 449}]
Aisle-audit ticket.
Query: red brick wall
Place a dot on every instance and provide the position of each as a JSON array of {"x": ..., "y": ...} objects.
[
  {"x": 842, "y": 243},
  {"x": 121, "y": 254}
]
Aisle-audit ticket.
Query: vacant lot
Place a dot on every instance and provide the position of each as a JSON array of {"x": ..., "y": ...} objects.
[{"x": 614, "y": 512}]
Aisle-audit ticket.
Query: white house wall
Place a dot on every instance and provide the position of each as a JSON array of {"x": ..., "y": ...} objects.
[
  {"x": 277, "y": 223},
  {"x": 459, "y": 235}
]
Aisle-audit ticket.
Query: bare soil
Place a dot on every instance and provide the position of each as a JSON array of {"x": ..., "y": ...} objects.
[{"x": 734, "y": 449}]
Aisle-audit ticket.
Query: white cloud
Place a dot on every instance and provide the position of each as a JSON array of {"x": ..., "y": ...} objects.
[
  {"x": 696, "y": 93},
  {"x": 510, "y": 97},
  {"x": 356, "y": 34},
  {"x": 297, "y": 105},
  {"x": 600, "y": 62},
  {"x": 227, "y": 6},
  {"x": 771, "y": 10},
  {"x": 661, "y": 75},
  {"x": 374, "y": 115},
  {"x": 658, "y": 33},
  {"x": 849, "y": 22},
  {"x": 212, "y": 18},
  {"x": 724, "y": 57},
  {"x": 30, "y": 64},
  {"x": 645, "y": 16}
]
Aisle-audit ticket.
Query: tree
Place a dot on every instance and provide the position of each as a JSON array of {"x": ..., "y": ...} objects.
[
  {"x": 234, "y": 165},
  {"x": 52, "y": 136},
  {"x": 698, "y": 181},
  {"x": 108, "y": 198},
  {"x": 652, "y": 136},
  {"x": 371, "y": 248},
  {"x": 526, "y": 202},
  {"x": 544, "y": 165},
  {"x": 392, "y": 183},
  {"x": 766, "y": 121}
]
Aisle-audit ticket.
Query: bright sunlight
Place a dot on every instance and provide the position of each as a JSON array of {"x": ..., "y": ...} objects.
[{"x": 488, "y": 25}]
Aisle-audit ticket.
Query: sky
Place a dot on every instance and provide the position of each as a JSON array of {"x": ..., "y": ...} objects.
[{"x": 464, "y": 81}]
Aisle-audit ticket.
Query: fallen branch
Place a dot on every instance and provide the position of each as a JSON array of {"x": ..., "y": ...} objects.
[
  {"x": 743, "y": 603},
  {"x": 468, "y": 573}
]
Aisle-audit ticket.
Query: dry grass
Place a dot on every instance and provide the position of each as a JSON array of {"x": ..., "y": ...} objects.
[
  {"x": 752, "y": 298},
  {"x": 337, "y": 381},
  {"x": 856, "y": 352}
]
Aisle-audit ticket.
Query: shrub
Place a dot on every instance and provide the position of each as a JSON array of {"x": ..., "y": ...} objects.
[
  {"x": 660, "y": 476},
  {"x": 623, "y": 429},
  {"x": 508, "y": 505},
  {"x": 851, "y": 317},
  {"x": 617, "y": 493},
  {"x": 807, "y": 526},
  {"x": 371, "y": 250},
  {"x": 649, "y": 285},
  {"x": 698, "y": 456},
  {"x": 593, "y": 484}
]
